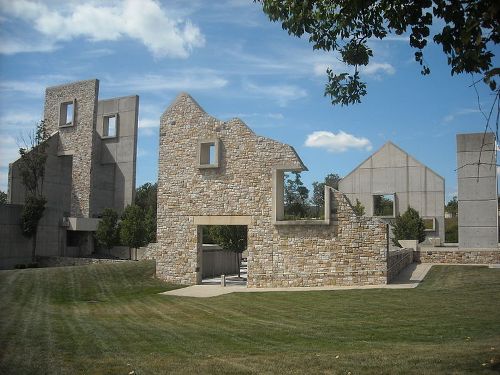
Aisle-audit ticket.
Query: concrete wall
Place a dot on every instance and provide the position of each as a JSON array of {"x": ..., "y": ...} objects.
[
  {"x": 57, "y": 181},
  {"x": 85, "y": 172},
  {"x": 349, "y": 250},
  {"x": 15, "y": 248},
  {"x": 477, "y": 191},
  {"x": 114, "y": 183},
  {"x": 217, "y": 261},
  {"x": 397, "y": 261},
  {"x": 391, "y": 170}
]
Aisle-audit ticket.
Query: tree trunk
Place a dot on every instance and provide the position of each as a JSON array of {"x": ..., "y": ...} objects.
[{"x": 33, "y": 248}]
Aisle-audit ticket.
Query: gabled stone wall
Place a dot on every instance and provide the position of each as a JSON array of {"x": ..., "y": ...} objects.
[{"x": 349, "y": 250}]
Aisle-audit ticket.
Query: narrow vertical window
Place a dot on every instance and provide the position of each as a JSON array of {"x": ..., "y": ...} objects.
[
  {"x": 67, "y": 114},
  {"x": 110, "y": 126}
]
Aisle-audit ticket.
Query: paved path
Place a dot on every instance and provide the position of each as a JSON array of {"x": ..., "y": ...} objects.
[{"x": 410, "y": 277}]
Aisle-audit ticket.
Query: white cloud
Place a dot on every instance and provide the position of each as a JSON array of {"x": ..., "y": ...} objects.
[
  {"x": 4, "y": 177},
  {"x": 282, "y": 94},
  {"x": 376, "y": 68},
  {"x": 149, "y": 123},
  {"x": 372, "y": 69},
  {"x": 35, "y": 86},
  {"x": 187, "y": 80},
  {"x": 339, "y": 142},
  {"x": 161, "y": 31},
  {"x": 19, "y": 120},
  {"x": 452, "y": 116},
  {"x": 9, "y": 151}
]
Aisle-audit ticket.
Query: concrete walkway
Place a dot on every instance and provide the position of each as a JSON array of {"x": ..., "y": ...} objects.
[{"x": 410, "y": 277}]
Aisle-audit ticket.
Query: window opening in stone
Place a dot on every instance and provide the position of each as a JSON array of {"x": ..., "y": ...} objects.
[
  {"x": 109, "y": 126},
  {"x": 209, "y": 154},
  {"x": 66, "y": 115},
  {"x": 383, "y": 205},
  {"x": 224, "y": 257}
]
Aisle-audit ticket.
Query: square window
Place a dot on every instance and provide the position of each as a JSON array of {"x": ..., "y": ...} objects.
[
  {"x": 208, "y": 153},
  {"x": 67, "y": 114},
  {"x": 110, "y": 126},
  {"x": 384, "y": 205}
]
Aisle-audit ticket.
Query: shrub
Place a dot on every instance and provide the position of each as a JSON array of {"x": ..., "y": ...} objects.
[{"x": 408, "y": 226}]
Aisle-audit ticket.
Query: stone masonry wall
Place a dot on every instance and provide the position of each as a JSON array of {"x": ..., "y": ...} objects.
[
  {"x": 78, "y": 139},
  {"x": 351, "y": 250},
  {"x": 456, "y": 256}
]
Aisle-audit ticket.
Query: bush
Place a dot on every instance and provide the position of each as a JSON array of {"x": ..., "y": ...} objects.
[
  {"x": 19, "y": 266},
  {"x": 408, "y": 226}
]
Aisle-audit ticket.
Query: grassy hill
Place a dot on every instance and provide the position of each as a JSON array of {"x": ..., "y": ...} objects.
[{"x": 109, "y": 319}]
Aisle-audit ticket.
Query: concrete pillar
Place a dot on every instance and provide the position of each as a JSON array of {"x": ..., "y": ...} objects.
[{"x": 477, "y": 191}]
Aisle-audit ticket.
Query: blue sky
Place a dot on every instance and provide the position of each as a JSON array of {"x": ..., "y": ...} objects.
[{"x": 235, "y": 63}]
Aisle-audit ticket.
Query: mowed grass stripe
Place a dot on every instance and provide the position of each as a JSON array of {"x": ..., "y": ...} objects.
[{"x": 111, "y": 319}]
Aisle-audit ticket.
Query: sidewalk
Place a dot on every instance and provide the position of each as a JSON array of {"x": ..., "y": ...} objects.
[{"x": 410, "y": 277}]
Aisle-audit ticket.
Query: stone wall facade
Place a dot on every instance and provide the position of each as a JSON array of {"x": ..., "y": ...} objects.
[
  {"x": 457, "y": 256},
  {"x": 79, "y": 139},
  {"x": 236, "y": 189}
]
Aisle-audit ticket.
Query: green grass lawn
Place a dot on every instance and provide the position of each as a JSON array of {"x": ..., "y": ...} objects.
[{"x": 102, "y": 319}]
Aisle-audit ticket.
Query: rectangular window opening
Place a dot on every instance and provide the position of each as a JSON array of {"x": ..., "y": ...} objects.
[
  {"x": 384, "y": 205},
  {"x": 67, "y": 114},
  {"x": 110, "y": 126},
  {"x": 208, "y": 154},
  {"x": 429, "y": 224}
]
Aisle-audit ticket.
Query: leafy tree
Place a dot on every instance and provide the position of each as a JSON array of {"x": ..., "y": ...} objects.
[
  {"x": 408, "y": 226},
  {"x": 466, "y": 30},
  {"x": 3, "y": 197},
  {"x": 296, "y": 195},
  {"x": 32, "y": 170},
  {"x": 452, "y": 206},
  {"x": 150, "y": 225},
  {"x": 230, "y": 237},
  {"x": 107, "y": 234},
  {"x": 358, "y": 208},
  {"x": 146, "y": 198},
  {"x": 132, "y": 228},
  {"x": 318, "y": 197}
]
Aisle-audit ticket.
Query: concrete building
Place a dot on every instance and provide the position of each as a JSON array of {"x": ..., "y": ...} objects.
[
  {"x": 390, "y": 181},
  {"x": 477, "y": 191},
  {"x": 213, "y": 172},
  {"x": 90, "y": 166}
]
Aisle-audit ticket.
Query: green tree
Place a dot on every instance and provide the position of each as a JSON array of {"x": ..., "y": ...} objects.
[
  {"x": 32, "y": 170},
  {"x": 3, "y": 197},
  {"x": 231, "y": 238},
  {"x": 408, "y": 226},
  {"x": 452, "y": 206},
  {"x": 466, "y": 30},
  {"x": 107, "y": 234},
  {"x": 146, "y": 198},
  {"x": 318, "y": 195},
  {"x": 296, "y": 195},
  {"x": 132, "y": 228},
  {"x": 150, "y": 225},
  {"x": 358, "y": 208}
]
